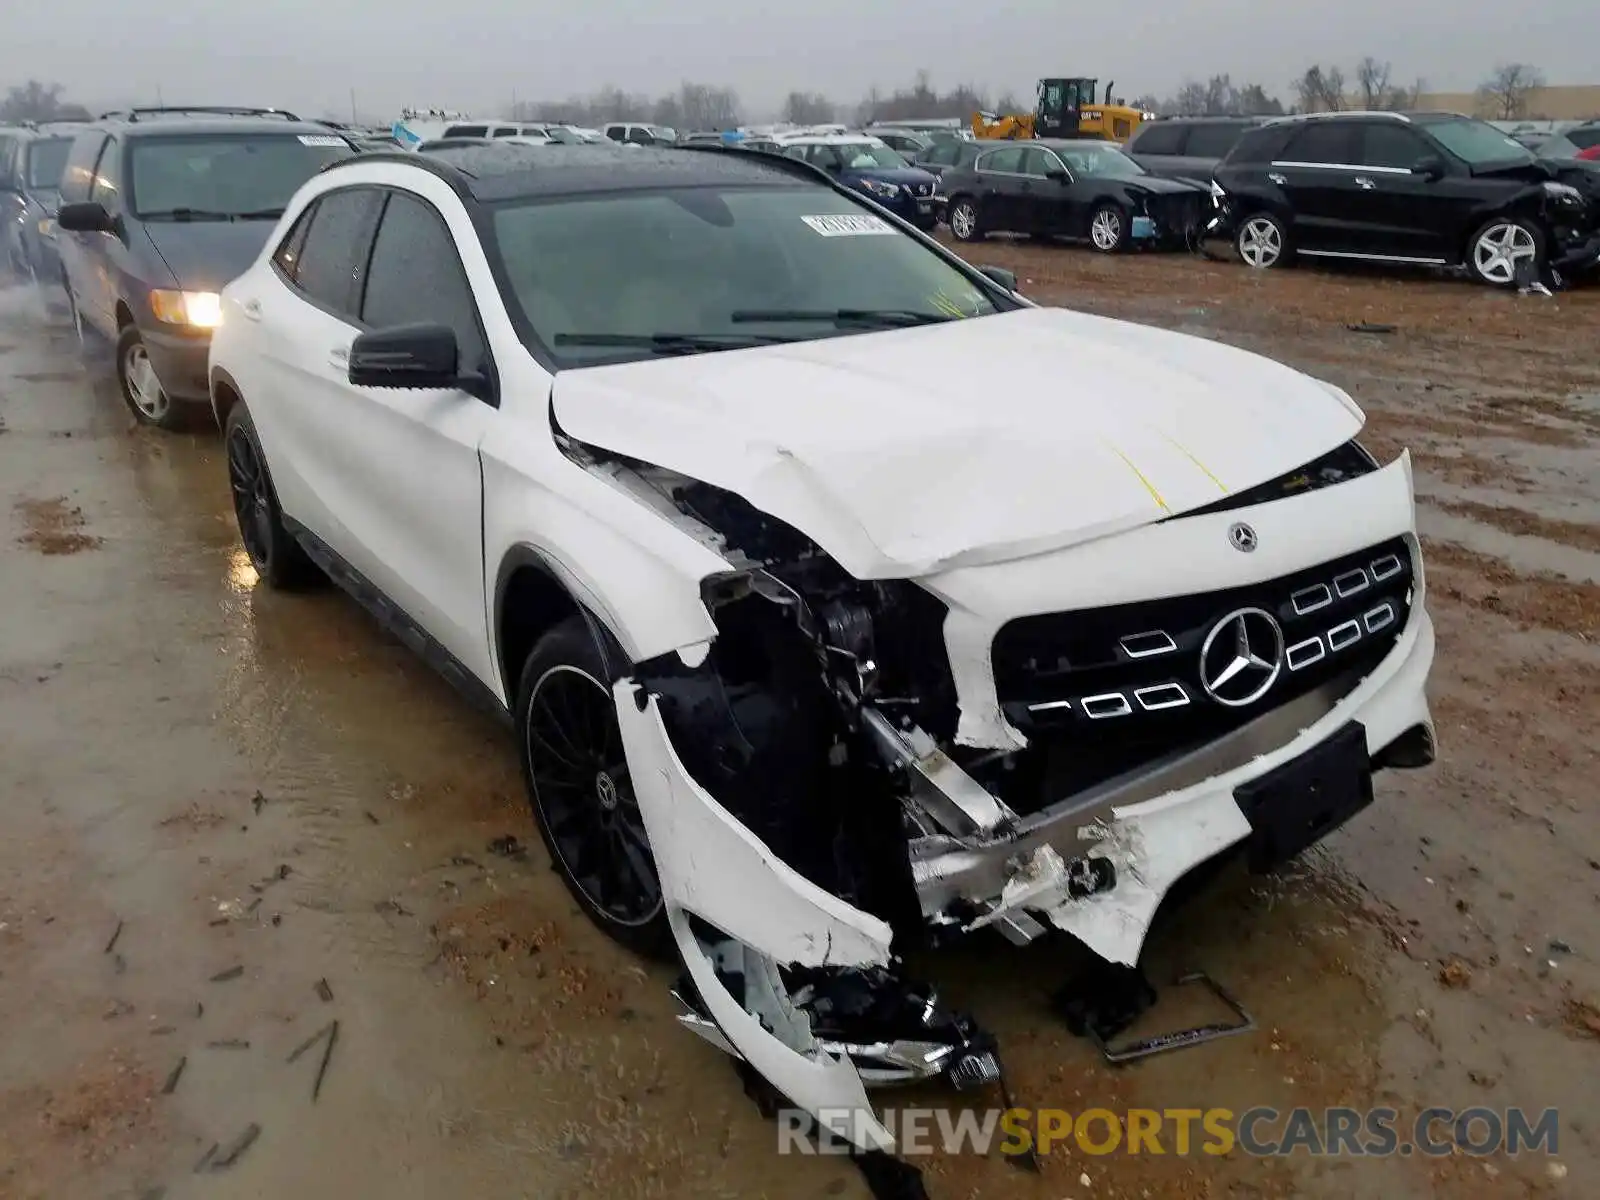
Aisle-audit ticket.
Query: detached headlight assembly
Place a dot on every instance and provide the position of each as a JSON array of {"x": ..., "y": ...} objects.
[{"x": 198, "y": 310}]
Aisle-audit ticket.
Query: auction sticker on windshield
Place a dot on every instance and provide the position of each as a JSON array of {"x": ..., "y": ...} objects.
[{"x": 848, "y": 226}]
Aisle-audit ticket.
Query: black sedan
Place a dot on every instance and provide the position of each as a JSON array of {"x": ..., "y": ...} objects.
[{"x": 1070, "y": 188}]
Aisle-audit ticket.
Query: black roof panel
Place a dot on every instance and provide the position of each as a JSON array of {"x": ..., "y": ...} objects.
[{"x": 502, "y": 171}]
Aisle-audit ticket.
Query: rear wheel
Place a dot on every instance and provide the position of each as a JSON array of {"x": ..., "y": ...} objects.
[
  {"x": 964, "y": 225},
  {"x": 1262, "y": 242},
  {"x": 580, "y": 787},
  {"x": 1504, "y": 250}
]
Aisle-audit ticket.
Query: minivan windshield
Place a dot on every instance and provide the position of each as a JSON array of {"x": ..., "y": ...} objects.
[
  {"x": 1477, "y": 143},
  {"x": 225, "y": 176},
  {"x": 618, "y": 277},
  {"x": 47, "y": 158}
]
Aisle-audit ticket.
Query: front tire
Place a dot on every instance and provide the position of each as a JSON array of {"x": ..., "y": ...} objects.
[
  {"x": 278, "y": 559},
  {"x": 1109, "y": 229},
  {"x": 1503, "y": 247},
  {"x": 1262, "y": 242},
  {"x": 141, "y": 390},
  {"x": 577, "y": 776},
  {"x": 964, "y": 223}
]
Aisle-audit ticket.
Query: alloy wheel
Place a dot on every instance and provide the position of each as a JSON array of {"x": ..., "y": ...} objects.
[
  {"x": 252, "y": 499},
  {"x": 143, "y": 387},
  {"x": 586, "y": 798},
  {"x": 1501, "y": 249},
  {"x": 1105, "y": 230},
  {"x": 963, "y": 220},
  {"x": 1260, "y": 242}
]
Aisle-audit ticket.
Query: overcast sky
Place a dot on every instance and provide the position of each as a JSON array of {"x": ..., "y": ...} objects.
[{"x": 476, "y": 54}]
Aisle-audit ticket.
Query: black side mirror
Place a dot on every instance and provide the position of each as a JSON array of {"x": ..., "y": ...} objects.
[
  {"x": 85, "y": 216},
  {"x": 1006, "y": 279},
  {"x": 423, "y": 355},
  {"x": 1430, "y": 167}
]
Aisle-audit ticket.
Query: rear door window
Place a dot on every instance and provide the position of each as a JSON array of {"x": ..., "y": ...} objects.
[
  {"x": 333, "y": 255},
  {"x": 1324, "y": 143},
  {"x": 1212, "y": 141},
  {"x": 1160, "y": 137}
]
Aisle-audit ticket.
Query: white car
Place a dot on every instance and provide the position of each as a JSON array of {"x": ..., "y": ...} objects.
[{"x": 842, "y": 600}]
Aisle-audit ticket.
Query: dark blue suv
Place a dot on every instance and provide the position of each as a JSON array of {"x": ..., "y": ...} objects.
[
  {"x": 871, "y": 167},
  {"x": 31, "y": 162},
  {"x": 159, "y": 209}
]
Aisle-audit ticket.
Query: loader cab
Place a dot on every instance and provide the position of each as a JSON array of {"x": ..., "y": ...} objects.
[{"x": 1061, "y": 101}]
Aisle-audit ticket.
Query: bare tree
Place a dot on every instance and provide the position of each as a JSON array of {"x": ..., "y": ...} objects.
[
  {"x": 808, "y": 108},
  {"x": 1505, "y": 93},
  {"x": 1372, "y": 78},
  {"x": 1320, "y": 89},
  {"x": 922, "y": 99},
  {"x": 1190, "y": 100},
  {"x": 1253, "y": 101},
  {"x": 36, "y": 101}
]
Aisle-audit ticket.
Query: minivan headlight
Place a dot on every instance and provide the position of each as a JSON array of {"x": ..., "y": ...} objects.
[{"x": 198, "y": 310}]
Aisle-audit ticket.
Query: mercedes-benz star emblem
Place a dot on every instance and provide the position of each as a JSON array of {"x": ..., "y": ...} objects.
[
  {"x": 1242, "y": 536},
  {"x": 605, "y": 788},
  {"x": 1241, "y": 657}
]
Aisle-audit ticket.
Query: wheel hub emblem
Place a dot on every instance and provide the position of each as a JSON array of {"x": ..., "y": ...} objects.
[
  {"x": 605, "y": 788},
  {"x": 1241, "y": 657},
  {"x": 1242, "y": 537}
]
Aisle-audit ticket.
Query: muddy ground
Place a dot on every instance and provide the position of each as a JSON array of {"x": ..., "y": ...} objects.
[{"x": 231, "y": 817}]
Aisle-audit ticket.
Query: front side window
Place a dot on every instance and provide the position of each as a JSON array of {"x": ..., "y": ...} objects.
[
  {"x": 1038, "y": 163},
  {"x": 416, "y": 275},
  {"x": 107, "y": 187},
  {"x": 78, "y": 178},
  {"x": 334, "y": 252},
  {"x": 47, "y": 159},
  {"x": 1006, "y": 161},
  {"x": 1477, "y": 143},
  {"x": 616, "y": 277},
  {"x": 1390, "y": 144},
  {"x": 217, "y": 177}
]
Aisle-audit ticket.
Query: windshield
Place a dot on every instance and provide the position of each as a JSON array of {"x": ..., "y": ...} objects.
[
  {"x": 1089, "y": 161},
  {"x": 864, "y": 156},
  {"x": 609, "y": 278},
  {"x": 1558, "y": 147},
  {"x": 47, "y": 158},
  {"x": 228, "y": 175},
  {"x": 1476, "y": 143}
]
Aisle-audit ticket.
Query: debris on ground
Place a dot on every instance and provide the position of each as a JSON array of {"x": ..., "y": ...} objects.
[
  {"x": 324, "y": 992},
  {"x": 1455, "y": 973},
  {"x": 112, "y": 944},
  {"x": 1583, "y": 1016},
  {"x": 226, "y": 976},
  {"x": 310, "y": 1042},
  {"x": 327, "y": 1054},
  {"x": 229, "y": 1044},
  {"x": 171, "y": 1085},
  {"x": 257, "y": 802},
  {"x": 508, "y": 847},
  {"x": 1371, "y": 327},
  {"x": 236, "y": 1148}
]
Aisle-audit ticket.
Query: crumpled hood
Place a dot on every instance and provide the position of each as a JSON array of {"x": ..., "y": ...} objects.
[{"x": 909, "y": 451}]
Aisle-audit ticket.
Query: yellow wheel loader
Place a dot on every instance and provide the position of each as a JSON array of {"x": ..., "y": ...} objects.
[{"x": 1065, "y": 108}]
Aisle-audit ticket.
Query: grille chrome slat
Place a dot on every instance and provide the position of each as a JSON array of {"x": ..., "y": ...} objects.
[
  {"x": 1351, "y": 582},
  {"x": 1378, "y": 618},
  {"x": 1107, "y": 704},
  {"x": 1300, "y": 655},
  {"x": 1343, "y": 636},
  {"x": 1162, "y": 695},
  {"x": 1387, "y": 567},
  {"x": 1147, "y": 645},
  {"x": 1309, "y": 600}
]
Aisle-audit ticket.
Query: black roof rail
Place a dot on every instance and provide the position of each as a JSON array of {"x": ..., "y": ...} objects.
[{"x": 220, "y": 110}]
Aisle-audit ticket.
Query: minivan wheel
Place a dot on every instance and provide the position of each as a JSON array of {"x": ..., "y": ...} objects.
[
  {"x": 278, "y": 559},
  {"x": 146, "y": 398},
  {"x": 577, "y": 775},
  {"x": 1262, "y": 242},
  {"x": 1503, "y": 247},
  {"x": 963, "y": 219}
]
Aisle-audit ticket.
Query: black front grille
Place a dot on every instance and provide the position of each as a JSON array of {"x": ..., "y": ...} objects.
[
  {"x": 1176, "y": 212},
  {"x": 1102, "y": 691}
]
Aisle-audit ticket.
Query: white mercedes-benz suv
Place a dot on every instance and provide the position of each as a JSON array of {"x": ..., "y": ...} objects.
[{"x": 842, "y": 600}]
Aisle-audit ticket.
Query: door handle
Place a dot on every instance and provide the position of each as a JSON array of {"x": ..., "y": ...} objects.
[
  {"x": 1278, "y": 179},
  {"x": 1364, "y": 183},
  {"x": 251, "y": 309}
]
